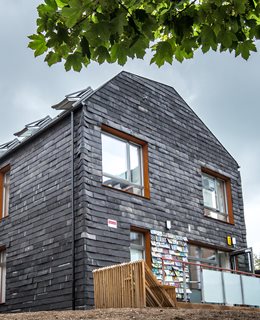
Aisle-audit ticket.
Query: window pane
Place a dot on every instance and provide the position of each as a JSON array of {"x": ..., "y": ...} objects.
[
  {"x": 138, "y": 191},
  {"x": 221, "y": 196},
  {"x": 136, "y": 254},
  {"x": 121, "y": 185},
  {"x": 208, "y": 254},
  {"x": 6, "y": 190},
  {"x": 122, "y": 164},
  {"x": 137, "y": 248},
  {"x": 114, "y": 159},
  {"x": 137, "y": 238},
  {"x": 209, "y": 192},
  {"x": 223, "y": 258},
  {"x": 195, "y": 279},
  {"x": 193, "y": 251},
  {"x": 135, "y": 169}
]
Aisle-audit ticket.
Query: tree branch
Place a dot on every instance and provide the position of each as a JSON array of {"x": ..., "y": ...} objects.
[
  {"x": 85, "y": 17},
  {"x": 131, "y": 16},
  {"x": 188, "y": 6}
]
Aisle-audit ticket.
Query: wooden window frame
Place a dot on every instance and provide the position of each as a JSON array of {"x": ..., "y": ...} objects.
[
  {"x": 144, "y": 151},
  {"x": 147, "y": 243},
  {"x": 3, "y": 171},
  {"x": 228, "y": 194}
]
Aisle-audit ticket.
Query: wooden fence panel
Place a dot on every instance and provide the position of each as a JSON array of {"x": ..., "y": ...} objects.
[{"x": 130, "y": 285}]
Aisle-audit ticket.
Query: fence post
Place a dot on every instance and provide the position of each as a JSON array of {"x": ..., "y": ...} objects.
[
  {"x": 163, "y": 279},
  {"x": 223, "y": 288},
  {"x": 242, "y": 289},
  {"x": 201, "y": 285},
  {"x": 184, "y": 283}
]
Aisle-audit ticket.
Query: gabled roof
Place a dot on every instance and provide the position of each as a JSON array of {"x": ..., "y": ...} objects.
[
  {"x": 165, "y": 89},
  {"x": 79, "y": 98}
]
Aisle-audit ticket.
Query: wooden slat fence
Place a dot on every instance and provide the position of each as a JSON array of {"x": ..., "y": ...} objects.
[{"x": 130, "y": 285}]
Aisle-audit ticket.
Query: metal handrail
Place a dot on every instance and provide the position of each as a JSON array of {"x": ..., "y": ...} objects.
[
  {"x": 201, "y": 266},
  {"x": 208, "y": 267}
]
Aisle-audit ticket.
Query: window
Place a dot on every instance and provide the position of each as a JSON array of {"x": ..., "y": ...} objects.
[
  {"x": 206, "y": 256},
  {"x": 140, "y": 245},
  {"x": 137, "y": 246},
  {"x": 124, "y": 162},
  {"x": 217, "y": 196},
  {"x": 2, "y": 275},
  {"x": 4, "y": 192}
]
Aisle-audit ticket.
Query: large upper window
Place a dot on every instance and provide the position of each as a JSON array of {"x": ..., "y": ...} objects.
[
  {"x": 2, "y": 275},
  {"x": 123, "y": 162},
  {"x": 217, "y": 197},
  {"x": 4, "y": 192}
]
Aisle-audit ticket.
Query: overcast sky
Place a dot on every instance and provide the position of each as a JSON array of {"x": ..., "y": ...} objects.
[{"x": 224, "y": 91}]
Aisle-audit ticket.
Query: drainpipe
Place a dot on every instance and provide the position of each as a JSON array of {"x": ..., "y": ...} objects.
[{"x": 72, "y": 215}]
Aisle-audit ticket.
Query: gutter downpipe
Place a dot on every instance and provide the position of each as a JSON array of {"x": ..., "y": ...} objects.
[{"x": 72, "y": 215}]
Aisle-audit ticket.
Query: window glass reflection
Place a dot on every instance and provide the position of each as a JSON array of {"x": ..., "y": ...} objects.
[
  {"x": 121, "y": 163},
  {"x": 114, "y": 160},
  {"x": 135, "y": 164}
]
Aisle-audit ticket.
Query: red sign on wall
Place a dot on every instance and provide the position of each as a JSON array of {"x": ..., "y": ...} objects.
[{"x": 112, "y": 223}]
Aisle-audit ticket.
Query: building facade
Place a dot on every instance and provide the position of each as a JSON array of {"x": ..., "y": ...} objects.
[{"x": 119, "y": 171}]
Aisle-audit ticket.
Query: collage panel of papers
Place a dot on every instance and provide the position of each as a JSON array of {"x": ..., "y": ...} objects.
[{"x": 174, "y": 250}]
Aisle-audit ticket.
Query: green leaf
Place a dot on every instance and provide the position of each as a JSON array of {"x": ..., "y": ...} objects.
[
  {"x": 205, "y": 48},
  {"x": 73, "y": 13},
  {"x": 164, "y": 53},
  {"x": 234, "y": 25},
  {"x": 102, "y": 55},
  {"x": 52, "y": 58},
  {"x": 138, "y": 46},
  {"x": 85, "y": 47},
  {"x": 102, "y": 30},
  {"x": 52, "y": 4},
  {"x": 38, "y": 44},
  {"x": 245, "y": 48},
  {"x": 208, "y": 38},
  {"x": 240, "y": 6},
  {"x": 179, "y": 54},
  {"x": 74, "y": 61},
  {"x": 80, "y": 31},
  {"x": 257, "y": 32},
  {"x": 62, "y": 3},
  {"x": 119, "y": 53},
  {"x": 226, "y": 38},
  {"x": 118, "y": 22}
]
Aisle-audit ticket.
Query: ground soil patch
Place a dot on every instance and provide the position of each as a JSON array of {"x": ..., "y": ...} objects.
[{"x": 136, "y": 314}]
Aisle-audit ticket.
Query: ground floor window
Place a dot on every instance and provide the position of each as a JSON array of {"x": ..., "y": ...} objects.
[
  {"x": 140, "y": 245},
  {"x": 2, "y": 275},
  {"x": 207, "y": 256},
  {"x": 137, "y": 246}
]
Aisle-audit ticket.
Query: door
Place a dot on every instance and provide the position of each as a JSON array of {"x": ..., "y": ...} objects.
[{"x": 242, "y": 260}]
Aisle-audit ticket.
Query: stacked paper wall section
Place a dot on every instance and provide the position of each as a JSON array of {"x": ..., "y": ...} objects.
[{"x": 170, "y": 247}]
